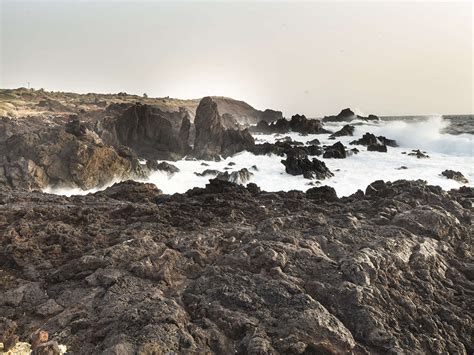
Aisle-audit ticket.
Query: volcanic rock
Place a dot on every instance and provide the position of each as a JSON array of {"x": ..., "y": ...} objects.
[
  {"x": 297, "y": 123},
  {"x": 152, "y": 133},
  {"x": 337, "y": 151},
  {"x": 347, "y": 130},
  {"x": 308, "y": 168},
  {"x": 455, "y": 175},
  {"x": 377, "y": 148},
  {"x": 419, "y": 154},
  {"x": 212, "y": 139},
  {"x": 370, "y": 139},
  {"x": 227, "y": 268},
  {"x": 241, "y": 176},
  {"x": 163, "y": 166}
]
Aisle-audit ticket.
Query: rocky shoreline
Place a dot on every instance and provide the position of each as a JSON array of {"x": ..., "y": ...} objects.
[
  {"x": 227, "y": 268},
  {"x": 232, "y": 269}
]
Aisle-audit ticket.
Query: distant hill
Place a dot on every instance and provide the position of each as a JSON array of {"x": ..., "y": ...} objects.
[{"x": 23, "y": 102}]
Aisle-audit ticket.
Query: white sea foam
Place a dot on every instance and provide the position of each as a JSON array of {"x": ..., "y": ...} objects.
[{"x": 353, "y": 173}]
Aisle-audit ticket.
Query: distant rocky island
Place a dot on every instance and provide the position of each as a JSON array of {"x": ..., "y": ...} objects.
[{"x": 226, "y": 268}]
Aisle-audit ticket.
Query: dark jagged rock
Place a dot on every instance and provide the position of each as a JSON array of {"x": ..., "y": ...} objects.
[
  {"x": 347, "y": 130},
  {"x": 337, "y": 151},
  {"x": 298, "y": 123},
  {"x": 227, "y": 268},
  {"x": 152, "y": 133},
  {"x": 212, "y": 139},
  {"x": 370, "y": 139},
  {"x": 455, "y": 175},
  {"x": 241, "y": 176},
  {"x": 419, "y": 154},
  {"x": 308, "y": 168}
]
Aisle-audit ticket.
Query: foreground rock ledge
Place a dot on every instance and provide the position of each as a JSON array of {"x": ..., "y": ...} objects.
[{"x": 229, "y": 269}]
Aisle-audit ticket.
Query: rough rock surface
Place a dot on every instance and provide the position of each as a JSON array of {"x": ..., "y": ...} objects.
[
  {"x": 308, "y": 168},
  {"x": 297, "y": 123},
  {"x": 455, "y": 175},
  {"x": 347, "y": 130},
  {"x": 151, "y": 133},
  {"x": 337, "y": 151},
  {"x": 370, "y": 139},
  {"x": 212, "y": 139},
  {"x": 229, "y": 269},
  {"x": 70, "y": 155}
]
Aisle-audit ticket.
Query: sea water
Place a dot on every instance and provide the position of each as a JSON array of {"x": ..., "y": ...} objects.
[{"x": 430, "y": 134}]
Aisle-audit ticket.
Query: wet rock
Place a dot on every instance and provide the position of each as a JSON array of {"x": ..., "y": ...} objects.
[
  {"x": 208, "y": 172},
  {"x": 336, "y": 151},
  {"x": 308, "y": 168},
  {"x": 162, "y": 166},
  {"x": 370, "y": 139},
  {"x": 131, "y": 191},
  {"x": 241, "y": 176},
  {"x": 377, "y": 148},
  {"x": 419, "y": 154},
  {"x": 347, "y": 130},
  {"x": 455, "y": 175}
]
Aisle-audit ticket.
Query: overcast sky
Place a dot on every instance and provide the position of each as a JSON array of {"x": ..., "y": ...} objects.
[{"x": 310, "y": 57}]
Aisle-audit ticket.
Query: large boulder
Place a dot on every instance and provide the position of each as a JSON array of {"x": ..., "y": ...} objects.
[
  {"x": 370, "y": 139},
  {"x": 455, "y": 175},
  {"x": 336, "y": 151},
  {"x": 152, "y": 133},
  {"x": 70, "y": 156},
  {"x": 212, "y": 139},
  {"x": 308, "y": 168}
]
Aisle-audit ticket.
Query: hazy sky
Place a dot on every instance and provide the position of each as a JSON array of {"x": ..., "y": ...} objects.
[{"x": 309, "y": 57}]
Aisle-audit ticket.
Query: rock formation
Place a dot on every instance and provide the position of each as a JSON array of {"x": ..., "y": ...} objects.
[
  {"x": 347, "y": 130},
  {"x": 70, "y": 156},
  {"x": 152, "y": 133},
  {"x": 310, "y": 169},
  {"x": 337, "y": 151},
  {"x": 212, "y": 139},
  {"x": 347, "y": 115},
  {"x": 298, "y": 123},
  {"x": 229, "y": 269},
  {"x": 455, "y": 175}
]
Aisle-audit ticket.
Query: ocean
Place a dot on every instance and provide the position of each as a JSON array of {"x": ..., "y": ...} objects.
[{"x": 448, "y": 140}]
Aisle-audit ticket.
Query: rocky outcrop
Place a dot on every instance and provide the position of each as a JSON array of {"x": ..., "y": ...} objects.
[
  {"x": 336, "y": 151},
  {"x": 70, "y": 156},
  {"x": 370, "y": 139},
  {"x": 455, "y": 175},
  {"x": 162, "y": 166},
  {"x": 212, "y": 139},
  {"x": 241, "y": 176},
  {"x": 310, "y": 169},
  {"x": 298, "y": 123},
  {"x": 347, "y": 115},
  {"x": 227, "y": 268},
  {"x": 347, "y": 130},
  {"x": 150, "y": 132}
]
